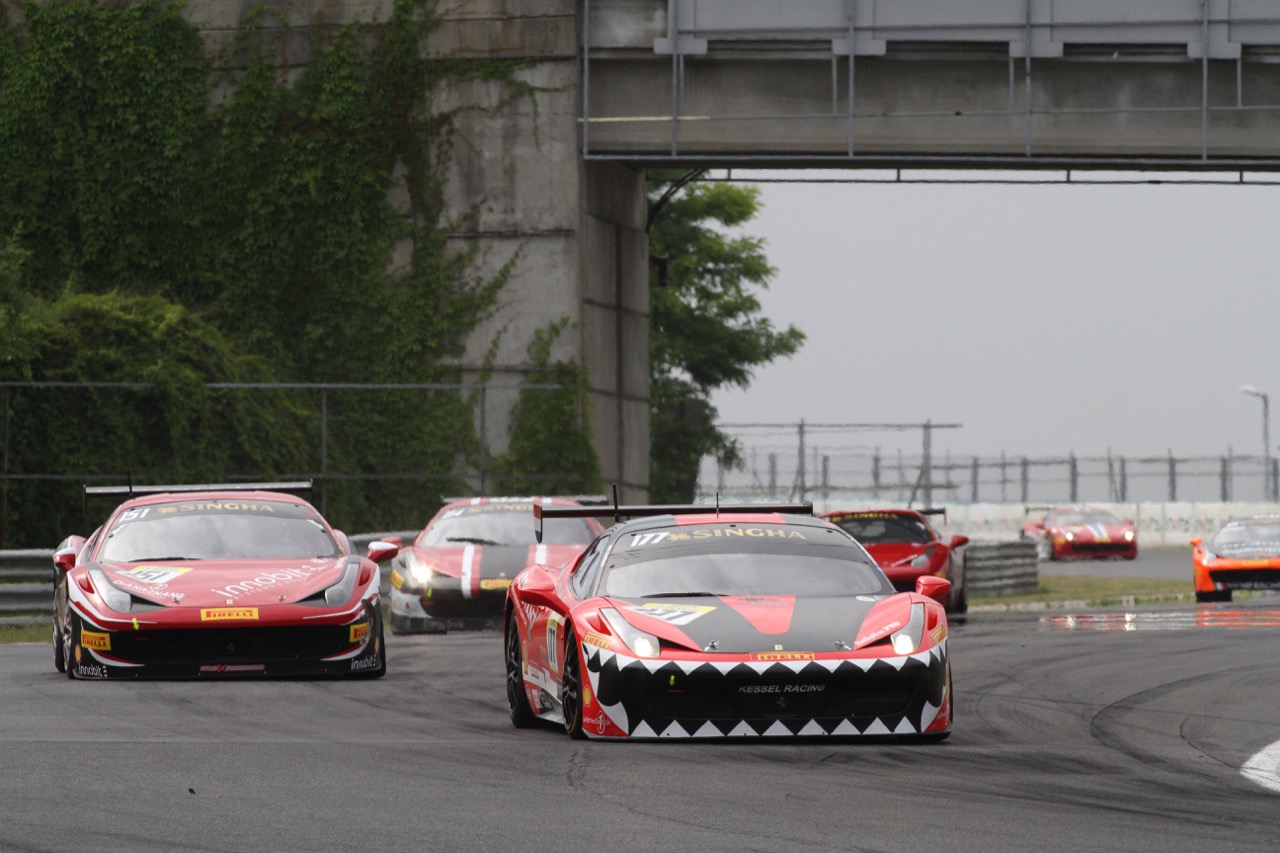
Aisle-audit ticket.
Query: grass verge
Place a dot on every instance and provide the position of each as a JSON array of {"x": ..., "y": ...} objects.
[
  {"x": 41, "y": 633},
  {"x": 1061, "y": 591}
]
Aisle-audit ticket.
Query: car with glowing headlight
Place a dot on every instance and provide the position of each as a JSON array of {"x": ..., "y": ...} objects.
[
  {"x": 733, "y": 622},
  {"x": 1066, "y": 532},
  {"x": 456, "y": 572},
  {"x": 1243, "y": 554},
  {"x": 908, "y": 547},
  {"x": 215, "y": 581}
]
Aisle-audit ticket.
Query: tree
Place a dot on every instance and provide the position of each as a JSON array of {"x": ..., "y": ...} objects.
[{"x": 706, "y": 329}]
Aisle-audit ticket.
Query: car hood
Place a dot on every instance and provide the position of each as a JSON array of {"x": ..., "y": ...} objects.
[
  {"x": 219, "y": 583},
  {"x": 768, "y": 623},
  {"x": 491, "y": 561},
  {"x": 1096, "y": 531}
]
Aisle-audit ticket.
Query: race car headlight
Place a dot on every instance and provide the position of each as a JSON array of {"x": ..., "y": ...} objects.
[
  {"x": 922, "y": 559},
  {"x": 1069, "y": 536},
  {"x": 115, "y": 598},
  {"x": 341, "y": 591},
  {"x": 643, "y": 644},
  {"x": 907, "y": 639},
  {"x": 1128, "y": 536}
]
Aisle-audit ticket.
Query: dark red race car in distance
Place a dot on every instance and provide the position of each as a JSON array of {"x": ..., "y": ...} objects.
[{"x": 908, "y": 548}]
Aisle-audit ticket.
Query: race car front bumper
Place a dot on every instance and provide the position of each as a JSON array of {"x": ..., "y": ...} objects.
[
  {"x": 444, "y": 606},
  {"x": 850, "y": 697},
  {"x": 280, "y": 650}
]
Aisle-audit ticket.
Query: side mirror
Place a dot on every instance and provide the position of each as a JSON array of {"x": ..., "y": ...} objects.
[
  {"x": 383, "y": 550},
  {"x": 1196, "y": 540},
  {"x": 939, "y": 589},
  {"x": 959, "y": 541},
  {"x": 65, "y": 559},
  {"x": 537, "y": 586}
]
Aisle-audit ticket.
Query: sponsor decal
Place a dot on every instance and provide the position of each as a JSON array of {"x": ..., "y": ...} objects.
[
  {"x": 217, "y": 506},
  {"x": 553, "y": 653},
  {"x": 95, "y": 640},
  {"x": 844, "y": 516},
  {"x": 739, "y": 532},
  {"x": 397, "y": 579},
  {"x": 359, "y": 631},
  {"x": 78, "y": 653},
  {"x": 939, "y": 633},
  {"x": 1059, "y": 539},
  {"x": 674, "y": 614},
  {"x": 224, "y": 668},
  {"x": 154, "y": 574},
  {"x": 91, "y": 670},
  {"x": 221, "y": 614},
  {"x": 267, "y": 580},
  {"x": 782, "y": 688},
  {"x": 495, "y": 583},
  {"x": 599, "y": 723},
  {"x": 781, "y": 656},
  {"x": 878, "y": 634},
  {"x": 592, "y": 638},
  {"x": 359, "y": 664}
]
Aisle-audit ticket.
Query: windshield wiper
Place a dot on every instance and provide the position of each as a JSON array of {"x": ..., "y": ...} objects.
[
  {"x": 693, "y": 594},
  {"x": 472, "y": 540}
]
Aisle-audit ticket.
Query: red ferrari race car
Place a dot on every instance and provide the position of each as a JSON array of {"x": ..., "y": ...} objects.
[
  {"x": 907, "y": 547},
  {"x": 1243, "y": 554},
  {"x": 456, "y": 573},
  {"x": 746, "y": 621},
  {"x": 215, "y": 580},
  {"x": 1067, "y": 531}
]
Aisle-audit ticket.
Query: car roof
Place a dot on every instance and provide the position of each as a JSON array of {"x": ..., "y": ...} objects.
[
  {"x": 711, "y": 517},
  {"x": 515, "y": 502}
]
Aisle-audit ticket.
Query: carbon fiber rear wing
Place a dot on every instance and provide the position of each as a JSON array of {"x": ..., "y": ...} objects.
[
  {"x": 640, "y": 510},
  {"x": 132, "y": 489}
]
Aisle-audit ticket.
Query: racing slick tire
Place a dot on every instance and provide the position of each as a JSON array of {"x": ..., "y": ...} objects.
[
  {"x": 571, "y": 687},
  {"x": 1215, "y": 595},
  {"x": 960, "y": 602},
  {"x": 69, "y": 632},
  {"x": 522, "y": 716},
  {"x": 59, "y": 650}
]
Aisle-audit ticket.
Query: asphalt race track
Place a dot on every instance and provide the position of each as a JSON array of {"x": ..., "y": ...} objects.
[{"x": 1103, "y": 731}]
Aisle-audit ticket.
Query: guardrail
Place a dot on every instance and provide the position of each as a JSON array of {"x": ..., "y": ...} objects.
[{"x": 1005, "y": 568}]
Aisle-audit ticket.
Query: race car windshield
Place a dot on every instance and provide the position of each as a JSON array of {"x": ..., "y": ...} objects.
[
  {"x": 731, "y": 560},
  {"x": 1246, "y": 536},
  {"x": 512, "y": 524},
  {"x": 217, "y": 530},
  {"x": 1084, "y": 519},
  {"x": 874, "y": 529}
]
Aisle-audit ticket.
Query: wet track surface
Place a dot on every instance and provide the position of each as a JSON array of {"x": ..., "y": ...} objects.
[{"x": 1117, "y": 739}]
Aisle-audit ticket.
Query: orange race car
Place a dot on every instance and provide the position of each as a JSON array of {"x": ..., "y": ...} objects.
[{"x": 1243, "y": 554}]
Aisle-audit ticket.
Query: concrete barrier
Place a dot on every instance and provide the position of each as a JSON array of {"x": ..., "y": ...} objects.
[{"x": 1004, "y": 568}]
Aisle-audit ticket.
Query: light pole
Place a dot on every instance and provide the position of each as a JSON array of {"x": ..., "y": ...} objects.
[{"x": 1266, "y": 438}]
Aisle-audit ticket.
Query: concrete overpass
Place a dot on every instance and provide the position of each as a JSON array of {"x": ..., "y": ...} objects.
[{"x": 556, "y": 180}]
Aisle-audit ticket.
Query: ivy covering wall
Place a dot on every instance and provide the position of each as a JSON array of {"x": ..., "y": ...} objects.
[{"x": 173, "y": 217}]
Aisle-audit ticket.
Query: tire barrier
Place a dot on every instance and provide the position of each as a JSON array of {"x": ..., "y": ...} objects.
[{"x": 1005, "y": 568}]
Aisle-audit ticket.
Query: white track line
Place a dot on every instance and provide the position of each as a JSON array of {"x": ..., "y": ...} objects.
[{"x": 1264, "y": 767}]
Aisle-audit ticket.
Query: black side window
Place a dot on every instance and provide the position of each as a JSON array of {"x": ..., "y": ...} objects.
[{"x": 584, "y": 577}]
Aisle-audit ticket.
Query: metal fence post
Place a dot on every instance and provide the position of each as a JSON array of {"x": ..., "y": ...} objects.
[
  {"x": 1173, "y": 477},
  {"x": 1224, "y": 492},
  {"x": 1026, "y": 479},
  {"x": 973, "y": 495},
  {"x": 1124, "y": 481},
  {"x": 1073, "y": 476}
]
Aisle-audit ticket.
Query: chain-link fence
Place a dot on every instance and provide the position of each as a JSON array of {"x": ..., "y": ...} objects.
[
  {"x": 800, "y": 461},
  {"x": 330, "y": 421}
]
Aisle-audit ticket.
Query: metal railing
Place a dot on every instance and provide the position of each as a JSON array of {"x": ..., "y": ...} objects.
[{"x": 799, "y": 461}]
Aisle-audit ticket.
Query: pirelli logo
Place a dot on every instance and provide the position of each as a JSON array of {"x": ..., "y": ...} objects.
[
  {"x": 495, "y": 583},
  {"x": 782, "y": 656},
  {"x": 227, "y": 614},
  {"x": 593, "y": 639},
  {"x": 359, "y": 631},
  {"x": 95, "y": 640}
]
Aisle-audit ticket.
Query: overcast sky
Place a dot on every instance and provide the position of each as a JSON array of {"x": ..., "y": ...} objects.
[{"x": 1046, "y": 319}]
